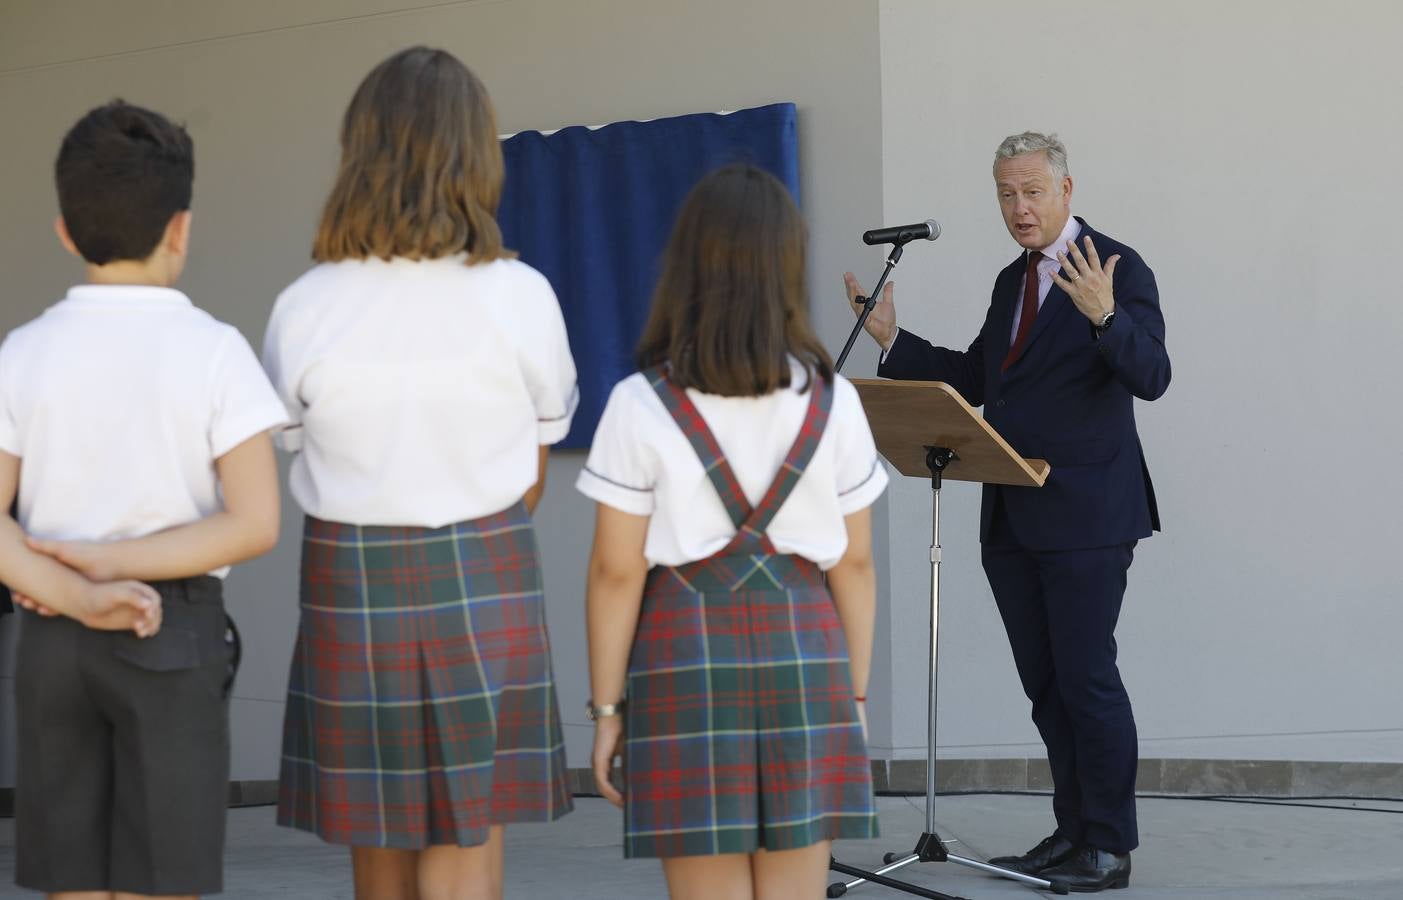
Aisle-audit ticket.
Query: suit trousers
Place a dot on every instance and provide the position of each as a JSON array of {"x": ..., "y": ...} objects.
[{"x": 1060, "y": 609}]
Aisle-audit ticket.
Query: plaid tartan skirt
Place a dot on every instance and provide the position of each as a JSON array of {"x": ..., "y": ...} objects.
[
  {"x": 741, "y": 727},
  {"x": 421, "y": 706}
]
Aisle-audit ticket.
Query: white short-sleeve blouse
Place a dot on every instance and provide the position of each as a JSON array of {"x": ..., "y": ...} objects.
[
  {"x": 419, "y": 390},
  {"x": 642, "y": 463}
]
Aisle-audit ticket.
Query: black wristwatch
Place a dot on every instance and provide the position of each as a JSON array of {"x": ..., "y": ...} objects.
[{"x": 1105, "y": 324}]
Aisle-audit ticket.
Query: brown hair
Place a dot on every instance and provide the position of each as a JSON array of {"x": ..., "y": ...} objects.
[
  {"x": 421, "y": 166},
  {"x": 728, "y": 311}
]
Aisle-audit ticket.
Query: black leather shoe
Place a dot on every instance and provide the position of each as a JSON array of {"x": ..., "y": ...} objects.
[
  {"x": 1090, "y": 870},
  {"x": 1049, "y": 852}
]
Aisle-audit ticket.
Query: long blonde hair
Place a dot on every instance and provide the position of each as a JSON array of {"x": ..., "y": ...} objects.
[{"x": 421, "y": 167}]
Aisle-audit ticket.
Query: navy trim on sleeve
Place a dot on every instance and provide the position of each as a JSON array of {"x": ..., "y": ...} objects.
[
  {"x": 569, "y": 406},
  {"x": 871, "y": 473},
  {"x": 627, "y": 487}
]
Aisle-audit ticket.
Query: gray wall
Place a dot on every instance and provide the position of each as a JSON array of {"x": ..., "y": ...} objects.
[
  {"x": 1229, "y": 143},
  {"x": 262, "y": 86},
  {"x": 1246, "y": 150}
]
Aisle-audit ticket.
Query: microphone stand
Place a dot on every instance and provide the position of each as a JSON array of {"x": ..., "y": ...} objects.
[
  {"x": 839, "y": 889},
  {"x": 930, "y": 847},
  {"x": 868, "y": 303}
]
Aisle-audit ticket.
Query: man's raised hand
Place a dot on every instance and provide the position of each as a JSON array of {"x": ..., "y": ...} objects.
[
  {"x": 881, "y": 324},
  {"x": 1084, "y": 279}
]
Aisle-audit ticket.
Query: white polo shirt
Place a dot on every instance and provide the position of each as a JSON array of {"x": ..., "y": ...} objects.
[
  {"x": 419, "y": 390},
  {"x": 642, "y": 463},
  {"x": 119, "y": 399}
]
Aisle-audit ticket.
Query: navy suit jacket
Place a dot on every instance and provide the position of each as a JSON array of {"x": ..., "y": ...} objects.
[{"x": 1068, "y": 398}]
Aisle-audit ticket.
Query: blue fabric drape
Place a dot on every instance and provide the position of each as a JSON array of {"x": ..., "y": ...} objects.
[{"x": 592, "y": 209}]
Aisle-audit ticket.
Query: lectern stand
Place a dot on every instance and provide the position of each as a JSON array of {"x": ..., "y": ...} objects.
[{"x": 925, "y": 428}]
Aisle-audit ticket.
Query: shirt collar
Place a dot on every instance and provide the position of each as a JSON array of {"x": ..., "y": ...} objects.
[
  {"x": 146, "y": 296},
  {"x": 1070, "y": 232}
]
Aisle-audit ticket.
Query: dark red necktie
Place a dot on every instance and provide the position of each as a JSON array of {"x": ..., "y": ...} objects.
[{"x": 1030, "y": 309}]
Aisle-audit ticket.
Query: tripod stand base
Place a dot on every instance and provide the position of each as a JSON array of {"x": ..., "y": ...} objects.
[
  {"x": 839, "y": 888},
  {"x": 929, "y": 848}
]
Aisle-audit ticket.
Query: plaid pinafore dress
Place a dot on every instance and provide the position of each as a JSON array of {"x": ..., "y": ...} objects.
[{"x": 741, "y": 727}]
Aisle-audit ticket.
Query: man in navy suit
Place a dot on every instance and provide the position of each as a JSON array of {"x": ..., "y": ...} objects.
[{"x": 1068, "y": 343}]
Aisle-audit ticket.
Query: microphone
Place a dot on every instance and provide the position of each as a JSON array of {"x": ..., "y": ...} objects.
[{"x": 928, "y": 230}]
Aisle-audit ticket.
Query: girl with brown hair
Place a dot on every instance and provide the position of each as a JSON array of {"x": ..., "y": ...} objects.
[
  {"x": 426, "y": 372},
  {"x": 731, "y": 586}
]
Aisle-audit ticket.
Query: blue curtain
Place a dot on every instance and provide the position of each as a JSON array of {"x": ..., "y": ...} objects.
[{"x": 591, "y": 209}]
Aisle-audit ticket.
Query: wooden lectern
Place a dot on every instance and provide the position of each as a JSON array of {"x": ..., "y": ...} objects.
[{"x": 926, "y": 429}]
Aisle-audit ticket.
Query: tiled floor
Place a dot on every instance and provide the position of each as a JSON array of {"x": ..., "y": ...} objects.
[{"x": 1190, "y": 849}]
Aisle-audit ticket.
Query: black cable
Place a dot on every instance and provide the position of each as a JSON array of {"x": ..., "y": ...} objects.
[{"x": 1292, "y": 801}]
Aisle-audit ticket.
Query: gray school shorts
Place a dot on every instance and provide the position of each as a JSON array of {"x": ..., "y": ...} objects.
[{"x": 123, "y": 750}]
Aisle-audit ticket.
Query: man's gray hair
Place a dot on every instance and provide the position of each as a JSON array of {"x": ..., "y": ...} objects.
[{"x": 1033, "y": 142}]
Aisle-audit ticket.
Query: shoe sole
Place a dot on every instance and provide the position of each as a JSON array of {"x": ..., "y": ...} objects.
[{"x": 1113, "y": 886}]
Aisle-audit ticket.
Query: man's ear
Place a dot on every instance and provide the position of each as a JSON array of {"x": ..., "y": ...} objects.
[
  {"x": 177, "y": 236},
  {"x": 1067, "y": 188},
  {"x": 64, "y": 238}
]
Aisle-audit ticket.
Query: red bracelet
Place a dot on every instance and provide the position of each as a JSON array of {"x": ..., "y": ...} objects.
[{"x": 860, "y": 699}]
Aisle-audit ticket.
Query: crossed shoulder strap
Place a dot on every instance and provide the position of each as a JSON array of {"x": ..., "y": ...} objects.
[{"x": 750, "y": 522}]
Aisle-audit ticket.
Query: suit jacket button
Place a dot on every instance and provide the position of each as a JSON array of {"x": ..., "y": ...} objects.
[{"x": 999, "y": 403}]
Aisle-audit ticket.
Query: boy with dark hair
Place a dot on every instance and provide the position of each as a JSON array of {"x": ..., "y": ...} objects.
[{"x": 134, "y": 428}]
